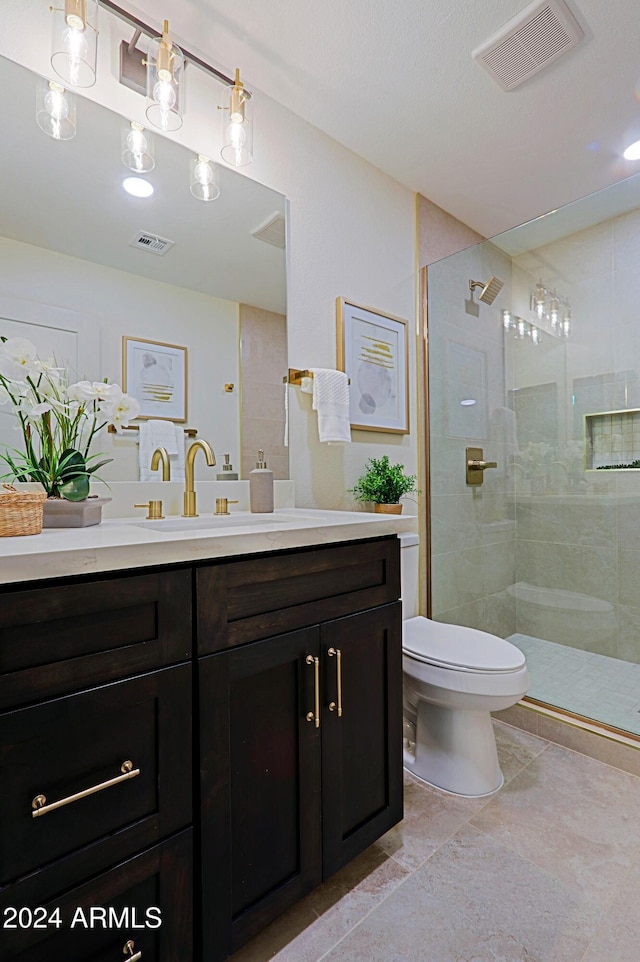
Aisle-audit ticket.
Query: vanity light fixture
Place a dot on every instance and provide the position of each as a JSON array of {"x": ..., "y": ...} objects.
[
  {"x": 55, "y": 110},
  {"x": 552, "y": 309},
  {"x": 137, "y": 186},
  {"x": 203, "y": 184},
  {"x": 137, "y": 152},
  {"x": 237, "y": 124},
  {"x": 74, "y": 46},
  {"x": 165, "y": 68}
]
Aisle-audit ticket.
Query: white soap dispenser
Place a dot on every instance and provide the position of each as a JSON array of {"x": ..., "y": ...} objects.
[{"x": 261, "y": 487}]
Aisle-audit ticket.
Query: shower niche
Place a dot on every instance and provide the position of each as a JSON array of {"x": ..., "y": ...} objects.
[{"x": 612, "y": 440}]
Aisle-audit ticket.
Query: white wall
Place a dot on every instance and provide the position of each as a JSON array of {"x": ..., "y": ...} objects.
[
  {"x": 117, "y": 303},
  {"x": 351, "y": 234}
]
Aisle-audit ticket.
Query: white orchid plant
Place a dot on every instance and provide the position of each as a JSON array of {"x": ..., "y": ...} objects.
[{"x": 58, "y": 420}]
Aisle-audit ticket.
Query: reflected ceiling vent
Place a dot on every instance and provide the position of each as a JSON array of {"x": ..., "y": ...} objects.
[
  {"x": 271, "y": 230},
  {"x": 532, "y": 40},
  {"x": 151, "y": 242}
]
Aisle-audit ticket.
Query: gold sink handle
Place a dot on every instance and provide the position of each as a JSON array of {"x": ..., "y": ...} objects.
[
  {"x": 222, "y": 506},
  {"x": 154, "y": 510}
]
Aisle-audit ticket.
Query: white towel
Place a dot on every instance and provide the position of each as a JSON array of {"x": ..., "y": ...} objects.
[
  {"x": 331, "y": 401},
  {"x": 160, "y": 434}
]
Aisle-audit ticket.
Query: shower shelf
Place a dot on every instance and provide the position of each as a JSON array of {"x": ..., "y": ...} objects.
[{"x": 612, "y": 440}]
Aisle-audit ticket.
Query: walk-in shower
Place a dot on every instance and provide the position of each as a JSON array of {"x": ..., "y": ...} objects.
[{"x": 546, "y": 551}]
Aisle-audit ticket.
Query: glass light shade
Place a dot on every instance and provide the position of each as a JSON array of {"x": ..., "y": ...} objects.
[
  {"x": 55, "y": 110},
  {"x": 137, "y": 148},
  {"x": 74, "y": 46},
  {"x": 165, "y": 82},
  {"x": 203, "y": 183},
  {"x": 237, "y": 125}
]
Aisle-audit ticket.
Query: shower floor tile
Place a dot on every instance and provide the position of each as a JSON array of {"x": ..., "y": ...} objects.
[{"x": 604, "y": 689}]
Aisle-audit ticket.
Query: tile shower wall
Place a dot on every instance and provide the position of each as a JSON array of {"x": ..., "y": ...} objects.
[
  {"x": 263, "y": 354},
  {"x": 577, "y": 531},
  {"x": 472, "y": 528}
]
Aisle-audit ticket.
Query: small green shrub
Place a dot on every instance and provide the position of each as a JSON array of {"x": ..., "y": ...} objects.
[{"x": 382, "y": 482}]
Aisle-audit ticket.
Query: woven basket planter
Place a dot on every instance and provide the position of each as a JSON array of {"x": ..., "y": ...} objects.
[{"x": 20, "y": 511}]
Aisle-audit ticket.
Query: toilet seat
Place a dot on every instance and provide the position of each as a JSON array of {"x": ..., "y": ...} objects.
[{"x": 456, "y": 648}]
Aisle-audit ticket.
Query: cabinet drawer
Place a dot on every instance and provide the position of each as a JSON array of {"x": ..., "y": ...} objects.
[
  {"x": 66, "y": 637},
  {"x": 65, "y": 746},
  {"x": 160, "y": 878},
  {"x": 248, "y": 600}
]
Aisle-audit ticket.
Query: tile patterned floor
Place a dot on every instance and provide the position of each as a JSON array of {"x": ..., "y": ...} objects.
[
  {"x": 596, "y": 686},
  {"x": 548, "y": 870}
]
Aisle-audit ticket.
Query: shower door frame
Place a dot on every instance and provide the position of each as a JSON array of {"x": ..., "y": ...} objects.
[{"x": 424, "y": 514}]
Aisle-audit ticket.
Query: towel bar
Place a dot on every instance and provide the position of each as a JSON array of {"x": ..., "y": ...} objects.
[
  {"x": 190, "y": 432},
  {"x": 295, "y": 376}
]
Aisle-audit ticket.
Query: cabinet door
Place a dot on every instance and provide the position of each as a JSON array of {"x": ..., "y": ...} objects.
[
  {"x": 260, "y": 770},
  {"x": 95, "y": 921},
  {"x": 71, "y": 751},
  {"x": 362, "y": 747}
]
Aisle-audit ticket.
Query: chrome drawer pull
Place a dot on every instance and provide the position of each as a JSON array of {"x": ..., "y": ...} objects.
[
  {"x": 332, "y": 705},
  {"x": 314, "y": 716},
  {"x": 127, "y": 950},
  {"x": 39, "y": 803}
]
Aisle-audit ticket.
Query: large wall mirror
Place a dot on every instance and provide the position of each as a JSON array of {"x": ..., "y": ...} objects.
[{"x": 71, "y": 281}]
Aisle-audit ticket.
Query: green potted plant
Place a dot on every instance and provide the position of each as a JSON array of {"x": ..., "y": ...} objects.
[{"x": 384, "y": 484}]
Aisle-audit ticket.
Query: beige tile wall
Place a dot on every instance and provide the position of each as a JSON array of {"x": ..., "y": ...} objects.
[{"x": 263, "y": 358}]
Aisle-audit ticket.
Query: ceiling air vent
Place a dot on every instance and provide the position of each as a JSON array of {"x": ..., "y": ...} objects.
[
  {"x": 533, "y": 39},
  {"x": 271, "y": 230},
  {"x": 151, "y": 242}
]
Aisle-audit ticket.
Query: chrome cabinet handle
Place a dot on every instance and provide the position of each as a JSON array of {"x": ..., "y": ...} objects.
[
  {"x": 314, "y": 716},
  {"x": 39, "y": 803},
  {"x": 127, "y": 949},
  {"x": 338, "y": 656}
]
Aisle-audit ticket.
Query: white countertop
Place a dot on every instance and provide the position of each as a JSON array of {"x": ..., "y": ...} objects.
[{"x": 119, "y": 544}]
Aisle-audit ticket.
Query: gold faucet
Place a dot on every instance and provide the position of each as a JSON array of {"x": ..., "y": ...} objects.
[
  {"x": 160, "y": 454},
  {"x": 189, "y": 500}
]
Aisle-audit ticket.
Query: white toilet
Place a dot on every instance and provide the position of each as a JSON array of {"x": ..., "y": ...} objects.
[{"x": 453, "y": 677}]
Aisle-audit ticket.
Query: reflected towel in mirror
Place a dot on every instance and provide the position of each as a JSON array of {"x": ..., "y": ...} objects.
[{"x": 161, "y": 434}]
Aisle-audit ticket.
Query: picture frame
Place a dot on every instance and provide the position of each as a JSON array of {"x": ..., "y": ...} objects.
[
  {"x": 373, "y": 350},
  {"x": 155, "y": 373}
]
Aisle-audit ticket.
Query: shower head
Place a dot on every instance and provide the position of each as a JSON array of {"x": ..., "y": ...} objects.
[{"x": 489, "y": 291}]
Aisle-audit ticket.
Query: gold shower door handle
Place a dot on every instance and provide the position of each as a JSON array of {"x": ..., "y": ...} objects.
[
  {"x": 39, "y": 803},
  {"x": 481, "y": 465},
  {"x": 338, "y": 656},
  {"x": 314, "y": 716}
]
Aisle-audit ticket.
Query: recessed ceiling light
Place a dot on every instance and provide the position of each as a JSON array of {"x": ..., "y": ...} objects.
[
  {"x": 467, "y": 402},
  {"x": 137, "y": 186},
  {"x": 633, "y": 151}
]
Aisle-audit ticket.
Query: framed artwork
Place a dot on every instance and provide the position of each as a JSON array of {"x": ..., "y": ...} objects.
[
  {"x": 373, "y": 349},
  {"x": 156, "y": 375}
]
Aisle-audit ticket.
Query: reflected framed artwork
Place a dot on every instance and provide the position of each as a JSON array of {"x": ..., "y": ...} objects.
[
  {"x": 373, "y": 349},
  {"x": 156, "y": 375}
]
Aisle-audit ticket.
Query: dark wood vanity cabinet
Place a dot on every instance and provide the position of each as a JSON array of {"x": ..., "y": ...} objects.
[
  {"x": 270, "y": 683},
  {"x": 300, "y": 731},
  {"x": 96, "y": 737}
]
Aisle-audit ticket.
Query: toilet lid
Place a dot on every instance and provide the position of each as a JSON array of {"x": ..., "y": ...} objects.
[{"x": 452, "y": 646}]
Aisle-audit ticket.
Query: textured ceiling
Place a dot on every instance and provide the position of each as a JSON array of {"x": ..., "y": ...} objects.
[{"x": 395, "y": 82}]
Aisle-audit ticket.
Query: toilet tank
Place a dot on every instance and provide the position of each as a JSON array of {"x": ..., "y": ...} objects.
[{"x": 409, "y": 574}]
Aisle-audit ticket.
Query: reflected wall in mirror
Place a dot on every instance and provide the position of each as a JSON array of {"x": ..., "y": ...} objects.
[{"x": 71, "y": 281}]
